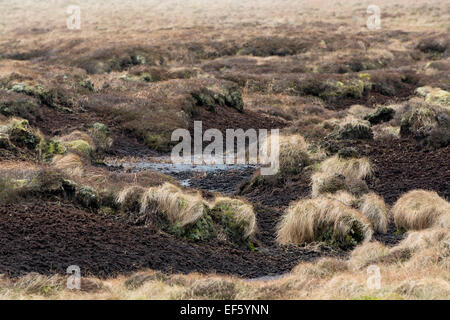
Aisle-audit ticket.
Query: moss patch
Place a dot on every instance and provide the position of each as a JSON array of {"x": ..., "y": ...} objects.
[
  {"x": 52, "y": 97},
  {"x": 381, "y": 114},
  {"x": 101, "y": 136},
  {"x": 48, "y": 149},
  {"x": 81, "y": 146},
  {"x": 210, "y": 98},
  {"x": 202, "y": 230},
  {"x": 21, "y": 134},
  {"x": 88, "y": 197}
]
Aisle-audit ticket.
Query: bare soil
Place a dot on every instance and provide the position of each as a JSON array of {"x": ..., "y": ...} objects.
[{"x": 47, "y": 237}]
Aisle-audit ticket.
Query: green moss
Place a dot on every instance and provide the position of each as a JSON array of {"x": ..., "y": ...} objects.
[
  {"x": 210, "y": 99},
  {"x": 439, "y": 96},
  {"x": 48, "y": 149},
  {"x": 205, "y": 98},
  {"x": 233, "y": 98},
  {"x": 334, "y": 90},
  {"x": 353, "y": 130},
  {"x": 158, "y": 141},
  {"x": 88, "y": 84},
  {"x": 47, "y": 182},
  {"x": 381, "y": 114},
  {"x": 333, "y": 184},
  {"x": 364, "y": 77},
  {"x": 107, "y": 211},
  {"x": 225, "y": 215},
  {"x": 202, "y": 230},
  {"x": 88, "y": 197},
  {"x": 349, "y": 240},
  {"x": 21, "y": 134},
  {"x": 80, "y": 146},
  {"x": 19, "y": 183}
]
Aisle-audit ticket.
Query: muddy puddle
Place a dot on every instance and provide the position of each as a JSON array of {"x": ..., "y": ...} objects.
[{"x": 223, "y": 178}]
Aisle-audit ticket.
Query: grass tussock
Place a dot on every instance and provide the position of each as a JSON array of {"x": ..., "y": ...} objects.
[
  {"x": 352, "y": 128},
  {"x": 293, "y": 154},
  {"x": 70, "y": 163},
  {"x": 365, "y": 254},
  {"x": 336, "y": 174},
  {"x": 187, "y": 215},
  {"x": 176, "y": 207},
  {"x": 374, "y": 208},
  {"x": 420, "y": 209},
  {"x": 237, "y": 214},
  {"x": 427, "y": 122},
  {"x": 323, "y": 219},
  {"x": 179, "y": 208}
]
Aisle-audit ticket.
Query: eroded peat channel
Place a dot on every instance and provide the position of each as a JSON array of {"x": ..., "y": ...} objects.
[{"x": 221, "y": 178}]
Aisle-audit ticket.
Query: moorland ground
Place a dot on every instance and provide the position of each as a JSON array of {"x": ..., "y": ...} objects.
[{"x": 364, "y": 155}]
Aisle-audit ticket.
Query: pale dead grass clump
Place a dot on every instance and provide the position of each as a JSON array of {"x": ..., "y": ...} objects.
[
  {"x": 345, "y": 198},
  {"x": 324, "y": 267},
  {"x": 323, "y": 219},
  {"x": 69, "y": 163},
  {"x": 212, "y": 288},
  {"x": 421, "y": 209},
  {"x": 425, "y": 239},
  {"x": 77, "y": 135},
  {"x": 358, "y": 111},
  {"x": 424, "y": 276},
  {"x": 425, "y": 289},
  {"x": 130, "y": 197},
  {"x": 374, "y": 208},
  {"x": 342, "y": 285},
  {"x": 384, "y": 132},
  {"x": 336, "y": 174},
  {"x": 37, "y": 284},
  {"x": 366, "y": 253},
  {"x": 353, "y": 167},
  {"x": 353, "y": 128},
  {"x": 179, "y": 208},
  {"x": 293, "y": 154},
  {"x": 438, "y": 256}
]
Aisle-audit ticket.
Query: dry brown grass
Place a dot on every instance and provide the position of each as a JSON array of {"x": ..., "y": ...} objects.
[
  {"x": 420, "y": 209},
  {"x": 70, "y": 164},
  {"x": 336, "y": 174},
  {"x": 322, "y": 37},
  {"x": 423, "y": 276},
  {"x": 293, "y": 154},
  {"x": 179, "y": 208},
  {"x": 323, "y": 219},
  {"x": 365, "y": 254},
  {"x": 345, "y": 198},
  {"x": 78, "y": 135},
  {"x": 374, "y": 208}
]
